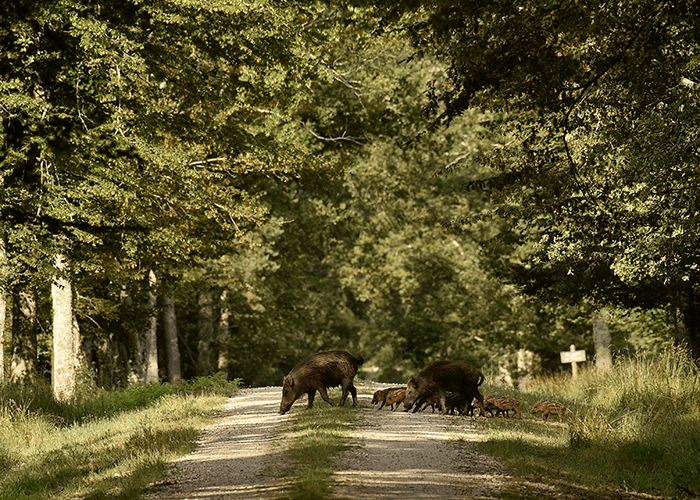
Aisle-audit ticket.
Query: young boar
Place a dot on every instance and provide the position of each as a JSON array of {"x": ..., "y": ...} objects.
[
  {"x": 549, "y": 407},
  {"x": 395, "y": 396},
  {"x": 317, "y": 373},
  {"x": 380, "y": 397},
  {"x": 502, "y": 406},
  {"x": 441, "y": 377}
]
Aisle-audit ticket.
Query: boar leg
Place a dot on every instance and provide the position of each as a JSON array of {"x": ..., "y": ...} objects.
[
  {"x": 443, "y": 403},
  {"x": 324, "y": 395},
  {"x": 480, "y": 400},
  {"x": 349, "y": 387},
  {"x": 312, "y": 395},
  {"x": 353, "y": 391}
]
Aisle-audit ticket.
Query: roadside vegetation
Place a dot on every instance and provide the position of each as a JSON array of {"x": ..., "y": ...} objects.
[
  {"x": 635, "y": 427},
  {"x": 317, "y": 436},
  {"x": 103, "y": 445}
]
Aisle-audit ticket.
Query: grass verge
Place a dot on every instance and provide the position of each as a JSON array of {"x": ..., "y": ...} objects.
[
  {"x": 317, "y": 436},
  {"x": 634, "y": 428},
  {"x": 105, "y": 447}
]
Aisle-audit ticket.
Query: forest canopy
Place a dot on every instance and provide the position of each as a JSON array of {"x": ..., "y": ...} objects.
[{"x": 228, "y": 187}]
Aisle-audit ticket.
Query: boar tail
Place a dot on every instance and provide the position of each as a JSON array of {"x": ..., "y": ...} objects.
[{"x": 481, "y": 379}]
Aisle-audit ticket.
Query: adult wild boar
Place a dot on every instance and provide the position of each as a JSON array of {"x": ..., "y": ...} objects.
[
  {"x": 441, "y": 377},
  {"x": 317, "y": 373}
]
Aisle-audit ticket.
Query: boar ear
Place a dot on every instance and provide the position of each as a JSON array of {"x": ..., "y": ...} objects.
[{"x": 288, "y": 381}]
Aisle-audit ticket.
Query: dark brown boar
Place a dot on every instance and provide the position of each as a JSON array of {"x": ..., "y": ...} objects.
[
  {"x": 441, "y": 377},
  {"x": 549, "y": 407},
  {"x": 395, "y": 396},
  {"x": 317, "y": 373},
  {"x": 455, "y": 401}
]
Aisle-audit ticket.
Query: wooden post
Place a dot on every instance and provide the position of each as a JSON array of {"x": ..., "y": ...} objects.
[
  {"x": 574, "y": 357},
  {"x": 574, "y": 364}
]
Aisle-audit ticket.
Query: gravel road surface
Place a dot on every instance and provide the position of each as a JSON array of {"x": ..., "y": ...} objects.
[{"x": 400, "y": 455}]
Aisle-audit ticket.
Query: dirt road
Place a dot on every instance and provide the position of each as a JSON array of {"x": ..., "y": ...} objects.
[{"x": 401, "y": 455}]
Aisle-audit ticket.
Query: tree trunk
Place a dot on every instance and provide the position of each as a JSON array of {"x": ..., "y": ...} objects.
[
  {"x": 601, "y": 341},
  {"x": 24, "y": 338},
  {"x": 3, "y": 319},
  {"x": 224, "y": 316},
  {"x": 687, "y": 331},
  {"x": 151, "y": 345},
  {"x": 3, "y": 309},
  {"x": 526, "y": 360},
  {"x": 207, "y": 360},
  {"x": 63, "y": 367},
  {"x": 131, "y": 352},
  {"x": 172, "y": 349}
]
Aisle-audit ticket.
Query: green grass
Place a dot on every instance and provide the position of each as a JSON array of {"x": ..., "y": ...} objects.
[
  {"x": 106, "y": 446},
  {"x": 635, "y": 427},
  {"x": 317, "y": 436}
]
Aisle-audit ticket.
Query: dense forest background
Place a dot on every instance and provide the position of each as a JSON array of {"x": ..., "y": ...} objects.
[{"x": 192, "y": 187}]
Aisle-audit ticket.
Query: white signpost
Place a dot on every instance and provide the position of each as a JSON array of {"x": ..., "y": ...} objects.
[{"x": 574, "y": 357}]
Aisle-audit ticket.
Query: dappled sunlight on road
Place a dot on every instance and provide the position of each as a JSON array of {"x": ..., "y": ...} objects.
[
  {"x": 234, "y": 454},
  {"x": 414, "y": 455}
]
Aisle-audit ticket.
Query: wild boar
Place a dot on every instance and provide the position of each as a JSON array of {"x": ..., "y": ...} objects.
[
  {"x": 317, "y": 373},
  {"x": 455, "y": 401},
  {"x": 549, "y": 407},
  {"x": 395, "y": 396},
  {"x": 441, "y": 377},
  {"x": 380, "y": 397},
  {"x": 502, "y": 406}
]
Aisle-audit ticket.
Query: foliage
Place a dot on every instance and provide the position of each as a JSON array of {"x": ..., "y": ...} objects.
[
  {"x": 278, "y": 158},
  {"x": 596, "y": 104}
]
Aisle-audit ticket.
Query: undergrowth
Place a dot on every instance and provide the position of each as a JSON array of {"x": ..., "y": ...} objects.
[
  {"x": 102, "y": 445},
  {"x": 633, "y": 427}
]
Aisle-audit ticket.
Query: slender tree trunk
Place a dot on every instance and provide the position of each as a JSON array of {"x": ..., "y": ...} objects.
[
  {"x": 206, "y": 344},
  {"x": 151, "y": 345},
  {"x": 3, "y": 319},
  {"x": 601, "y": 341},
  {"x": 172, "y": 349},
  {"x": 687, "y": 328},
  {"x": 24, "y": 338},
  {"x": 224, "y": 332},
  {"x": 132, "y": 351},
  {"x": 64, "y": 362},
  {"x": 3, "y": 309},
  {"x": 526, "y": 360}
]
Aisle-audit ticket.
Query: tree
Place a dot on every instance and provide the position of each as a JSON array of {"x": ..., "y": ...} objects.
[
  {"x": 132, "y": 135},
  {"x": 65, "y": 339},
  {"x": 597, "y": 106}
]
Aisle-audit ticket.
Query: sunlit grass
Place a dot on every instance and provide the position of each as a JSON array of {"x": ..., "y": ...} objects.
[
  {"x": 635, "y": 427},
  {"x": 111, "y": 454}
]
